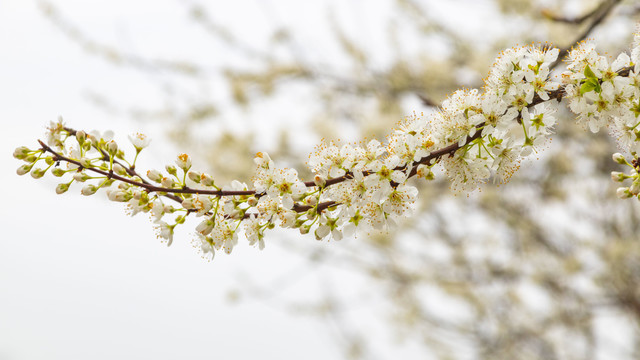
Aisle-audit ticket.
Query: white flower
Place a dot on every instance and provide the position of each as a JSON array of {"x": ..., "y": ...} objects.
[
  {"x": 184, "y": 162},
  {"x": 286, "y": 184},
  {"x": 254, "y": 232},
  {"x": 139, "y": 141},
  {"x": 224, "y": 234},
  {"x": 207, "y": 246},
  {"x": 401, "y": 200},
  {"x": 205, "y": 227},
  {"x": 165, "y": 231}
]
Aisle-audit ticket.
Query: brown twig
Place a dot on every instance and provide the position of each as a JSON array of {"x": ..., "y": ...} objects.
[{"x": 598, "y": 15}]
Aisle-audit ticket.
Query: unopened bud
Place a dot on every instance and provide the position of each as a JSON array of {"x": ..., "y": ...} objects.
[
  {"x": 80, "y": 177},
  {"x": 207, "y": 180},
  {"x": 623, "y": 193},
  {"x": 252, "y": 201},
  {"x": 319, "y": 180},
  {"x": 171, "y": 170},
  {"x": 57, "y": 172},
  {"x": 62, "y": 188},
  {"x": 84, "y": 162},
  {"x": 118, "y": 196},
  {"x": 635, "y": 187},
  {"x": 89, "y": 189},
  {"x": 81, "y": 136},
  {"x": 154, "y": 175},
  {"x": 194, "y": 176},
  {"x": 23, "y": 169},
  {"x": 167, "y": 182},
  {"x": 119, "y": 169},
  {"x": 311, "y": 200},
  {"x": 21, "y": 152},
  {"x": 619, "y": 158},
  {"x": 37, "y": 173},
  {"x": 112, "y": 147},
  {"x": 617, "y": 176}
]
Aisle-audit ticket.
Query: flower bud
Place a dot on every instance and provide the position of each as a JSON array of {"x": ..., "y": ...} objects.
[
  {"x": 205, "y": 227},
  {"x": 112, "y": 147},
  {"x": 81, "y": 136},
  {"x": 311, "y": 200},
  {"x": 194, "y": 176},
  {"x": 207, "y": 180},
  {"x": 37, "y": 173},
  {"x": 188, "y": 204},
  {"x": 31, "y": 158},
  {"x": 49, "y": 160},
  {"x": 21, "y": 152},
  {"x": 617, "y": 176},
  {"x": 171, "y": 170},
  {"x": 80, "y": 177},
  {"x": 86, "y": 163},
  {"x": 167, "y": 182},
  {"x": 119, "y": 170},
  {"x": 319, "y": 180},
  {"x": 89, "y": 189},
  {"x": 635, "y": 187},
  {"x": 619, "y": 158},
  {"x": 118, "y": 196},
  {"x": 62, "y": 188},
  {"x": 623, "y": 193},
  {"x": 252, "y": 201},
  {"x": 23, "y": 169},
  {"x": 57, "y": 172},
  {"x": 154, "y": 175}
]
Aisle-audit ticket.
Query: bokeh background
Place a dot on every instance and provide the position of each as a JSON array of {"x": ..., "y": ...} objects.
[{"x": 545, "y": 267}]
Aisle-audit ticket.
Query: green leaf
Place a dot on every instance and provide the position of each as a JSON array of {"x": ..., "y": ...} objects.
[
  {"x": 586, "y": 87},
  {"x": 588, "y": 73}
]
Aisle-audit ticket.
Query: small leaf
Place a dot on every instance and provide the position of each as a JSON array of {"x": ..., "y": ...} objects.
[
  {"x": 588, "y": 73},
  {"x": 586, "y": 87}
]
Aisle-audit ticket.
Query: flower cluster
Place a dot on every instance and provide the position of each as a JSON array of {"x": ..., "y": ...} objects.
[{"x": 475, "y": 136}]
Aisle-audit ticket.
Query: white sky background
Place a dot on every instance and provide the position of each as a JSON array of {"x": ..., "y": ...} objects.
[{"x": 78, "y": 278}]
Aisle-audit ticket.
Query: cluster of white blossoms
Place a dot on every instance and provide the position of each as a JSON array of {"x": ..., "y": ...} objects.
[{"x": 475, "y": 136}]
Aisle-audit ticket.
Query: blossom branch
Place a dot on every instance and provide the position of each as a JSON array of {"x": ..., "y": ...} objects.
[{"x": 474, "y": 136}]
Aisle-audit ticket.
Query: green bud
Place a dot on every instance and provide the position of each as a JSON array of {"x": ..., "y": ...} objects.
[
  {"x": 194, "y": 176},
  {"x": 24, "y": 169},
  {"x": 81, "y": 136},
  {"x": 62, "y": 188},
  {"x": 171, "y": 170},
  {"x": 21, "y": 152},
  {"x": 119, "y": 170},
  {"x": 57, "y": 172},
  {"x": 619, "y": 158},
  {"x": 38, "y": 173},
  {"x": 89, "y": 189},
  {"x": 112, "y": 147},
  {"x": 617, "y": 176}
]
